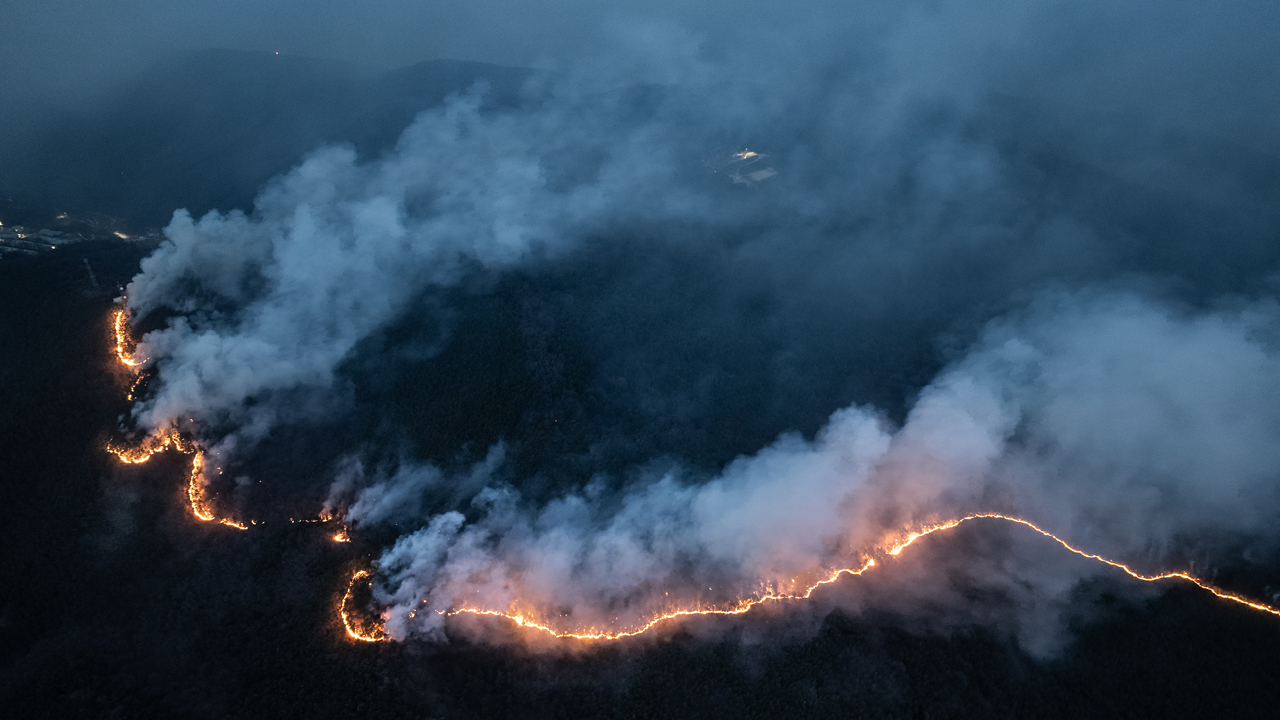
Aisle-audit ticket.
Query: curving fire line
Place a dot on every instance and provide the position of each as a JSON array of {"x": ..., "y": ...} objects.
[
  {"x": 122, "y": 341},
  {"x": 161, "y": 441},
  {"x": 1261, "y": 607},
  {"x": 889, "y": 549},
  {"x": 196, "y": 496}
]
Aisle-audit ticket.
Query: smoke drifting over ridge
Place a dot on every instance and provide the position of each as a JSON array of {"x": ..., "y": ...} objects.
[
  {"x": 905, "y": 203},
  {"x": 1124, "y": 422}
]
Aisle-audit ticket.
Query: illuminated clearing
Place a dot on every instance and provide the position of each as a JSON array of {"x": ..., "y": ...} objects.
[{"x": 890, "y": 549}]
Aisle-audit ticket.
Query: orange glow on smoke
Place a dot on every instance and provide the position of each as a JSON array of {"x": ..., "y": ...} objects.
[{"x": 890, "y": 549}]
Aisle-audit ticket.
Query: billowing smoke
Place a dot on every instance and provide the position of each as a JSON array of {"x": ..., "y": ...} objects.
[
  {"x": 757, "y": 239},
  {"x": 1127, "y": 423}
]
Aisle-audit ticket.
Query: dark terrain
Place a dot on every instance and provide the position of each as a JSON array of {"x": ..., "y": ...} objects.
[{"x": 118, "y": 603}]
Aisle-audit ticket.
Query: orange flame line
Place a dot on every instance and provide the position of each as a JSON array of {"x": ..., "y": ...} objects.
[
  {"x": 891, "y": 549},
  {"x": 737, "y": 608},
  {"x": 195, "y": 491},
  {"x": 122, "y": 340},
  {"x": 354, "y": 632},
  {"x": 134, "y": 387},
  {"x": 1222, "y": 594},
  {"x": 164, "y": 440}
]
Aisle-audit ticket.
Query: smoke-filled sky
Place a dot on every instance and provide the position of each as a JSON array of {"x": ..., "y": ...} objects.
[{"x": 728, "y": 293}]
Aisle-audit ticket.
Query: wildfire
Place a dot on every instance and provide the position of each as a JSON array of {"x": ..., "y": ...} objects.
[
  {"x": 1261, "y": 607},
  {"x": 354, "y": 632},
  {"x": 737, "y": 608},
  {"x": 890, "y": 549},
  {"x": 195, "y": 488},
  {"x": 159, "y": 442},
  {"x": 134, "y": 387},
  {"x": 122, "y": 341}
]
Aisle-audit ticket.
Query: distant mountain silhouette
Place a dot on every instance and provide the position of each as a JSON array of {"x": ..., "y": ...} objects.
[{"x": 206, "y": 130}]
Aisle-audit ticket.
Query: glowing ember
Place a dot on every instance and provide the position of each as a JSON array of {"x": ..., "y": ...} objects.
[
  {"x": 891, "y": 549},
  {"x": 134, "y": 387}
]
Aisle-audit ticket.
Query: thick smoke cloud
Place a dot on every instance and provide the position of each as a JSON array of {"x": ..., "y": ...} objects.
[
  {"x": 1124, "y": 422},
  {"x": 934, "y": 171}
]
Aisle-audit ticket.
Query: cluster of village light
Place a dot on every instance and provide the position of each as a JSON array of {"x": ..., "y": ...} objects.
[{"x": 886, "y": 551}]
